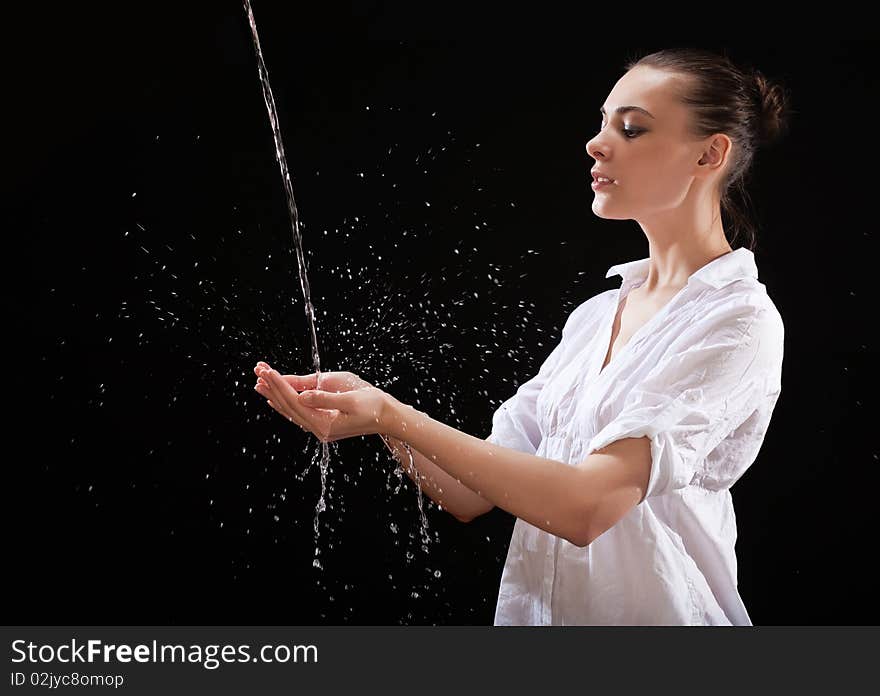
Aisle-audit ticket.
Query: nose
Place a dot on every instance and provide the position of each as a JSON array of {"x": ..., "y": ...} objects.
[{"x": 596, "y": 148}]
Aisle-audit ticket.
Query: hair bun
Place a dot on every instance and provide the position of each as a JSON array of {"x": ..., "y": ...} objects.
[{"x": 773, "y": 107}]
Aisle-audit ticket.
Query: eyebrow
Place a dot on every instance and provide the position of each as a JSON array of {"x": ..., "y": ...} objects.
[{"x": 625, "y": 109}]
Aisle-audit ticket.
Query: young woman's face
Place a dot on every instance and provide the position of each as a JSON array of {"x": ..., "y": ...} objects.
[{"x": 649, "y": 155}]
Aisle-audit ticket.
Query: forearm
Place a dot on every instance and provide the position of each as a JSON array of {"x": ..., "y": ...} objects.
[
  {"x": 450, "y": 494},
  {"x": 543, "y": 492}
]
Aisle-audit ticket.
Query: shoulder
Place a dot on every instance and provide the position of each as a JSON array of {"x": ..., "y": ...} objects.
[
  {"x": 587, "y": 311},
  {"x": 732, "y": 330},
  {"x": 738, "y": 310}
]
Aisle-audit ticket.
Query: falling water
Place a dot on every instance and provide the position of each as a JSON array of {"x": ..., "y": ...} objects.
[
  {"x": 297, "y": 241},
  {"x": 303, "y": 276}
]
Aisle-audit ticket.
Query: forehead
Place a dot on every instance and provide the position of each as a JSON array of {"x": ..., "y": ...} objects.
[{"x": 651, "y": 89}]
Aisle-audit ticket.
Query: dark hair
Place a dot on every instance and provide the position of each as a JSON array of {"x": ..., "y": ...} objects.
[{"x": 750, "y": 109}]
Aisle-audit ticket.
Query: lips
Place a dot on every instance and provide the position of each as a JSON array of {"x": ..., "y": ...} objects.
[{"x": 597, "y": 175}]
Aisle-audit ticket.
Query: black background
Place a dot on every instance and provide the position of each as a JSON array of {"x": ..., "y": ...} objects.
[{"x": 443, "y": 191}]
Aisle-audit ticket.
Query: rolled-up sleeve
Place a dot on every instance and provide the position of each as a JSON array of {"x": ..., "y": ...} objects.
[
  {"x": 707, "y": 383},
  {"x": 515, "y": 422}
]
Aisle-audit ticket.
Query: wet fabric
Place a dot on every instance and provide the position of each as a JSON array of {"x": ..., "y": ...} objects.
[{"x": 701, "y": 379}]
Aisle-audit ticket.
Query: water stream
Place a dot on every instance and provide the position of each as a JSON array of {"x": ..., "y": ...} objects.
[{"x": 303, "y": 275}]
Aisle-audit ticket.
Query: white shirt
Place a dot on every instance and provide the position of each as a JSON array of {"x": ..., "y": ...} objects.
[{"x": 700, "y": 378}]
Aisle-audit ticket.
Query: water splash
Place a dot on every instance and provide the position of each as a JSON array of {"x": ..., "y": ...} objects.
[
  {"x": 304, "y": 281},
  {"x": 297, "y": 241}
]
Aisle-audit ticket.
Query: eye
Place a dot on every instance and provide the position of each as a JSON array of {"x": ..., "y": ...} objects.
[{"x": 628, "y": 133}]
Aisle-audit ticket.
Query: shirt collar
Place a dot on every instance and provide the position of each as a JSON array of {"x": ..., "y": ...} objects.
[{"x": 734, "y": 265}]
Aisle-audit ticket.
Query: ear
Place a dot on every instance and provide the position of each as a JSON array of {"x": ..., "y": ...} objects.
[{"x": 715, "y": 154}]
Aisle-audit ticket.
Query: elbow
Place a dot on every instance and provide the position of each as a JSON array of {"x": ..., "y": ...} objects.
[
  {"x": 470, "y": 517},
  {"x": 582, "y": 524},
  {"x": 580, "y": 540},
  {"x": 581, "y": 536},
  {"x": 472, "y": 513},
  {"x": 464, "y": 516},
  {"x": 467, "y": 517}
]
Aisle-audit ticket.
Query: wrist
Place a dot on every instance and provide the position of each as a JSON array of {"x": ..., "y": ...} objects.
[{"x": 389, "y": 418}]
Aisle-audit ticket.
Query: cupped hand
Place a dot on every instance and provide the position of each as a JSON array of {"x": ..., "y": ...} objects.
[
  {"x": 344, "y": 406},
  {"x": 329, "y": 381}
]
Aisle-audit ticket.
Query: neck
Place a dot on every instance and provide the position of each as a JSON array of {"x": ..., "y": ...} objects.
[{"x": 675, "y": 256}]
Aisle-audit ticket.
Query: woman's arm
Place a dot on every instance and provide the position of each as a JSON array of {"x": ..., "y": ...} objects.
[
  {"x": 543, "y": 492},
  {"x": 452, "y": 495}
]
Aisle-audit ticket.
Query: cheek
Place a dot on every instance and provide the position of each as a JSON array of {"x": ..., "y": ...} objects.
[
  {"x": 657, "y": 186},
  {"x": 645, "y": 191},
  {"x": 659, "y": 179}
]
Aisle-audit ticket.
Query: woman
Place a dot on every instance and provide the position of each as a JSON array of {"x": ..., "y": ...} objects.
[{"x": 618, "y": 457}]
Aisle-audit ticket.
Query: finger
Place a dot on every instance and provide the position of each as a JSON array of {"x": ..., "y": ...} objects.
[
  {"x": 263, "y": 375},
  {"x": 280, "y": 411},
  {"x": 315, "y": 398},
  {"x": 300, "y": 382},
  {"x": 280, "y": 404},
  {"x": 286, "y": 415},
  {"x": 333, "y": 406},
  {"x": 275, "y": 406},
  {"x": 286, "y": 395},
  {"x": 264, "y": 388},
  {"x": 318, "y": 421}
]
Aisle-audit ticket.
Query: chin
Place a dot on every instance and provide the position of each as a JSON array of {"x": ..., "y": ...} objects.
[{"x": 607, "y": 212}]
